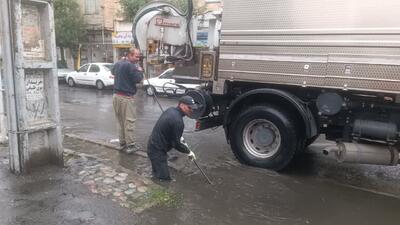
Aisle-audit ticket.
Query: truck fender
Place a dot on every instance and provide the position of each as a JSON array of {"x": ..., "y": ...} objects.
[{"x": 275, "y": 95}]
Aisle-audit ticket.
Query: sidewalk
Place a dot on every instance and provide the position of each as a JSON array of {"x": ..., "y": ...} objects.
[{"x": 92, "y": 188}]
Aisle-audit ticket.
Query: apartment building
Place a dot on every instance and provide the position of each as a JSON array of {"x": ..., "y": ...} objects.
[{"x": 99, "y": 16}]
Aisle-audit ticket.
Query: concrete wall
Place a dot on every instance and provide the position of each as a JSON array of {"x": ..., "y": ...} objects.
[{"x": 123, "y": 26}]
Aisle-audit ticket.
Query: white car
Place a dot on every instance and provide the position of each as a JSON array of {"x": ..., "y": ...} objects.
[
  {"x": 166, "y": 84},
  {"x": 94, "y": 74}
]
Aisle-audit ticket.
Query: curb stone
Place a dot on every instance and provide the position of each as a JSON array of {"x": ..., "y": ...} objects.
[{"x": 115, "y": 147}]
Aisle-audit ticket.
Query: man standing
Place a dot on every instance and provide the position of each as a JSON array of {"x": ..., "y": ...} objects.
[
  {"x": 167, "y": 134},
  {"x": 127, "y": 74}
]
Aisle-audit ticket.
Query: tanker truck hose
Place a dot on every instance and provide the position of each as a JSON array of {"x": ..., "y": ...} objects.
[
  {"x": 189, "y": 19},
  {"x": 173, "y": 89},
  {"x": 188, "y": 14},
  {"x": 155, "y": 97},
  {"x": 165, "y": 91}
]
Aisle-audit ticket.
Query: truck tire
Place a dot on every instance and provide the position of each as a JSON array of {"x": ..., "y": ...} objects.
[
  {"x": 264, "y": 136},
  {"x": 311, "y": 140}
]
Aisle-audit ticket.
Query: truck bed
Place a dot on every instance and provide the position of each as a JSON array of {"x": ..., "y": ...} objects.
[{"x": 340, "y": 44}]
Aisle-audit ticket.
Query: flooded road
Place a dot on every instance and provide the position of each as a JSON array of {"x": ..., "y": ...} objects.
[{"x": 314, "y": 190}]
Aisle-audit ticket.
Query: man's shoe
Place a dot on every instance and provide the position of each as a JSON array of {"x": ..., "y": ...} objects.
[
  {"x": 122, "y": 147},
  {"x": 131, "y": 148}
]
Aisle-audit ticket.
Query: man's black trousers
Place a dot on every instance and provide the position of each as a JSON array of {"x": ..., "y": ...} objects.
[{"x": 159, "y": 163}]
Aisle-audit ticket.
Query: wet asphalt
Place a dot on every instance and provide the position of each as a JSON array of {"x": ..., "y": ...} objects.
[
  {"x": 50, "y": 195},
  {"x": 313, "y": 190}
]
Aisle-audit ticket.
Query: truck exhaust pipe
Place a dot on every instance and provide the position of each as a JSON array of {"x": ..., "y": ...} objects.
[{"x": 364, "y": 154}]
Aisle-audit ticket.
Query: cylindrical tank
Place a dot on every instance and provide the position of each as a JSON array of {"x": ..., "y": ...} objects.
[
  {"x": 365, "y": 154},
  {"x": 376, "y": 130}
]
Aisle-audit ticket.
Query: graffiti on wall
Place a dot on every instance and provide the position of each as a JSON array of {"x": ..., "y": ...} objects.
[{"x": 36, "y": 101}]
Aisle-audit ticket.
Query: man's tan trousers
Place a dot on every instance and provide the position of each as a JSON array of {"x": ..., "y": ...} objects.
[{"x": 125, "y": 111}]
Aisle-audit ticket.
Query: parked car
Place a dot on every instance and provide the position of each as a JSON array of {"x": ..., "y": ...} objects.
[
  {"x": 94, "y": 74},
  {"x": 63, "y": 72},
  {"x": 167, "y": 83}
]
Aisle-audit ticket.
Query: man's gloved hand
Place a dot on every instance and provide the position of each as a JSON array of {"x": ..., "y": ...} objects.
[
  {"x": 184, "y": 142},
  {"x": 191, "y": 156}
]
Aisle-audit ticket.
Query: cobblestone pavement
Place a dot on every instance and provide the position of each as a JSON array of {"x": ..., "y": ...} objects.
[{"x": 120, "y": 185}]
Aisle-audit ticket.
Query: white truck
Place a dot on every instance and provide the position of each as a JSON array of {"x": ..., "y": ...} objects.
[{"x": 287, "y": 71}]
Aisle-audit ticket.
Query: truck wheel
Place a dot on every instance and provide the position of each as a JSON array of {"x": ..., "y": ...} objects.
[
  {"x": 264, "y": 136},
  {"x": 311, "y": 140}
]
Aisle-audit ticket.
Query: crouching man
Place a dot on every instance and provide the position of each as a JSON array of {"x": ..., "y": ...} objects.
[{"x": 167, "y": 134}]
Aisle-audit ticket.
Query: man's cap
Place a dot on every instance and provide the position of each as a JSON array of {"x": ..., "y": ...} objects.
[{"x": 189, "y": 101}]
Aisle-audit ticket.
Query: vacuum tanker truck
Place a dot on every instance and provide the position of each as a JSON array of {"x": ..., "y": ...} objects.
[{"x": 288, "y": 71}]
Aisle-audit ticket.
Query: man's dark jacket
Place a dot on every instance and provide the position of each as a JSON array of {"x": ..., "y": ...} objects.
[
  {"x": 168, "y": 131},
  {"x": 126, "y": 76}
]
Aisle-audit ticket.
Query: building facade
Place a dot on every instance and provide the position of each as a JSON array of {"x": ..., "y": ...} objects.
[
  {"x": 100, "y": 17},
  {"x": 122, "y": 38}
]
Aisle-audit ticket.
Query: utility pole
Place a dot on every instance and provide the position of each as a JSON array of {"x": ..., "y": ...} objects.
[
  {"x": 103, "y": 24},
  {"x": 30, "y": 72}
]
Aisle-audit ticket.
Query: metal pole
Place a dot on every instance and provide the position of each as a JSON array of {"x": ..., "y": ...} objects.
[
  {"x": 9, "y": 75},
  {"x": 3, "y": 123},
  {"x": 102, "y": 32},
  {"x": 202, "y": 172}
]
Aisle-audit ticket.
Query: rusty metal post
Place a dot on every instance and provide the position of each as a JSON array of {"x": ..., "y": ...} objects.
[{"x": 30, "y": 71}]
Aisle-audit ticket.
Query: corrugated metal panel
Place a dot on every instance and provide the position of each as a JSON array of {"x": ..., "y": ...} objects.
[
  {"x": 347, "y": 44},
  {"x": 310, "y": 14}
]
